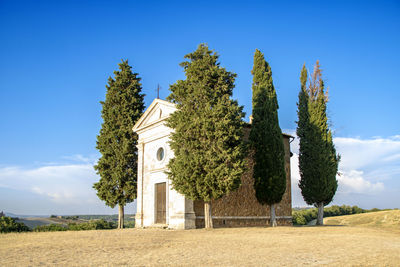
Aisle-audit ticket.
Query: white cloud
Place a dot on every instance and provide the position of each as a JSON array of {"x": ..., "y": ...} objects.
[
  {"x": 66, "y": 188},
  {"x": 354, "y": 182},
  {"x": 392, "y": 158},
  {"x": 80, "y": 158},
  {"x": 369, "y": 168},
  {"x": 358, "y": 153},
  {"x": 69, "y": 184},
  {"x": 395, "y": 137}
]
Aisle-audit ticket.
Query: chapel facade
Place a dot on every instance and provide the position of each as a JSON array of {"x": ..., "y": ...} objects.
[{"x": 160, "y": 205}]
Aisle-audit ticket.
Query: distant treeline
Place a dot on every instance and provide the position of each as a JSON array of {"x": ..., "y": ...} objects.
[
  {"x": 306, "y": 215},
  {"x": 91, "y": 225},
  {"x": 111, "y": 218},
  {"x": 8, "y": 225}
]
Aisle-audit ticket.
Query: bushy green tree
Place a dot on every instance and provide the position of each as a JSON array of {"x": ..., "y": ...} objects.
[
  {"x": 266, "y": 138},
  {"x": 50, "y": 228},
  {"x": 8, "y": 225},
  {"x": 117, "y": 142},
  {"x": 91, "y": 225},
  {"x": 208, "y": 129},
  {"x": 318, "y": 161}
]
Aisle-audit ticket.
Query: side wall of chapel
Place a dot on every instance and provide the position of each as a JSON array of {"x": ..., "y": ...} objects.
[{"x": 241, "y": 208}]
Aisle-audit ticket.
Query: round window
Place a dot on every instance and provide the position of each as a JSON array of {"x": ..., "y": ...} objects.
[{"x": 160, "y": 154}]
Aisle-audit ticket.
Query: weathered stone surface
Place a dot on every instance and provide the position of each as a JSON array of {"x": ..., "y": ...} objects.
[{"x": 243, "y": 203}]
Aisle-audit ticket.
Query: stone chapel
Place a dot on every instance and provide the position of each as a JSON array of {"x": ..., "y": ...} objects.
[{"x": 160, "y": 205}]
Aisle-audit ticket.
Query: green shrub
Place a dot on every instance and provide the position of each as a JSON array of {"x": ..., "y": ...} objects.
[
  {"x": 374, "y": 210},
  {"x": 50, "y": 228},
  {"x": 79, "y": 226},
  {"x": 91, "y": 225},
  {"x": 76, "y": 217},
  {"x": 298, "y": 218},
  {"x": 129, "y": 224},
  {"x": 102, "y": 224},
  {"x": 8, "y": 224},
  {"x": 304, "y": 216}
]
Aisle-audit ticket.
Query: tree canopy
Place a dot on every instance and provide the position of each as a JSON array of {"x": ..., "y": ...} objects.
[
  {"x": 208, "y": 130},
  {"x": 318, "y": 161},
  {"x": 117, "y": 142},
  {"x": 266, "y": 138}
]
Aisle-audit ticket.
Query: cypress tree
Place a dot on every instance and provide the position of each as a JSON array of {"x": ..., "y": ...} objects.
[
  {"x": 318, "y": 161},
  {"x": 208, "y": 129},
  {"x": 266, "y": 138},
  {"x": 117, "y": 142}
]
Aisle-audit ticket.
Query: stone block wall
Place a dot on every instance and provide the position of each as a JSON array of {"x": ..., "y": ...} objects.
[{"x": 241, "y": 208}]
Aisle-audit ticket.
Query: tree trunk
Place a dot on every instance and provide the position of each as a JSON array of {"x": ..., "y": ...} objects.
[
  {"x": 120, "y": 217},
  {"x": 320, "y": 218},
  {"x": 207, "y": 215},
  {"x": 273, "y": 217}
]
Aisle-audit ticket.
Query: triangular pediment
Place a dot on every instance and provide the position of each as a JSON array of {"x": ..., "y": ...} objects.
[{"x": 158, "y": 111}]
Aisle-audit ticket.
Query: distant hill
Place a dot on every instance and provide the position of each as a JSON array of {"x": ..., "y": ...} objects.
[
  {"x": 33, "y": 221},
  {"x": 383, "y": 219},
  {"x": 13, "y": 215},
  {"x": 113, "y": 217}
]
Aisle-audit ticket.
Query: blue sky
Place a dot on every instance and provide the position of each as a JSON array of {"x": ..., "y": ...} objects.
[{"x": 56, "y": 56}]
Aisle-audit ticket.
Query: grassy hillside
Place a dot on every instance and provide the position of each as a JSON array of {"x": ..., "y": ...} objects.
[{"x": 389, "y": 219}]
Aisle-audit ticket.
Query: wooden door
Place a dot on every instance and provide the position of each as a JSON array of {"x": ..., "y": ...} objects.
[{"x": 161, "y": 198}]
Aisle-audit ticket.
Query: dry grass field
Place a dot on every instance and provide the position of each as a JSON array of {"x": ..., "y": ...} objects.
[{"x": 282, "y": 246}]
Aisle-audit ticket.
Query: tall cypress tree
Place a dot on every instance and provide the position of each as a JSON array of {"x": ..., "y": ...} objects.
[
  {"x": 208, "y": 129},
  {"x": 117, "y": 142},
  {"x": 266, "y": 138},
  {"x": 318, "y": 161}
]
